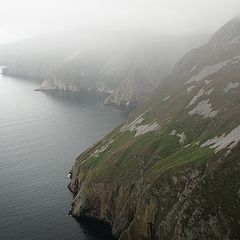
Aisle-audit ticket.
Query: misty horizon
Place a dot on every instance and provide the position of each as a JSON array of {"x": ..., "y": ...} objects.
[
  {"x": 27, "y": 19},
  {"x": 120, "y": 119}
]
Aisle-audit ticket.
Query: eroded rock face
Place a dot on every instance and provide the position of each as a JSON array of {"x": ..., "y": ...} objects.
[
  {"x": 137, "y": 85},
  {"x": 180, "y": 180},
  {"x": 187, "y": 204}
]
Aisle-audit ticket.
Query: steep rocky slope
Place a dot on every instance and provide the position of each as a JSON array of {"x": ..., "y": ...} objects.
[
  {"x": 126, "y": 65},
  {"x": 172, "y": 170}
]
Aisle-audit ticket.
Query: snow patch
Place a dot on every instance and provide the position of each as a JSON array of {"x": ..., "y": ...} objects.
[
  {"x": 204, "y": 108},
  {"x": 173, "y": 132},
  {"x": 132, "y": 125},
  {"x": 195, "y": 98},
  {"x": 142, "y": 129},
  {"x": 207, "y": 71},
  {"x": 136, "y": 125},
  {"x": 228, "y": 141},
  {"x": 207, "y": 82},
  {"x": 193, "y": 68},
  {"x": 165, "y": 99},
  {"x": 101, "y": 149},
  {"x": 230, "y": 86},
  {"x": 200, "y": 93},
  {"x": 189, "y": 89},
  {"x": 182, "y": 137}
]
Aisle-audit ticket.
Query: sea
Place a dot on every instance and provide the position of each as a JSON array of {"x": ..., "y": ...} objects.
[{"x": 41, "y": 134}]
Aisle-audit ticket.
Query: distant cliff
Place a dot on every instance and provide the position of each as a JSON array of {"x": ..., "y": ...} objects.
[
  {"x": 126, "y": 65},
  {"x": 172, "y": 171}
]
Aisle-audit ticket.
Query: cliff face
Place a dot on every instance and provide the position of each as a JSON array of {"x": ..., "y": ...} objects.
[
  {"x": 127, "y": 66},
  {"x": 172, "y": 170},
  {"x": 138, "y": 85}
]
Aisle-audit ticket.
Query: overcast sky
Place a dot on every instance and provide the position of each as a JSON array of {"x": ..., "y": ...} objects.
[{"x": 24, "y": 18}]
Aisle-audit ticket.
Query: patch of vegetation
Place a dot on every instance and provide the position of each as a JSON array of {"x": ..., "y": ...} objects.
[
  {"x": 94, "y": 160},
  {"x": 90, "y": 163},
  {"x": 130, "y": 156},
  {"x": 163, "y": 145},
  {"x": 181, "y": 157},
  {"x": 149, "y": 117},
  {"x": 193, "y": 127},
  {"x": 120, "y": 140},
  {"x": 223, "y": 126}
]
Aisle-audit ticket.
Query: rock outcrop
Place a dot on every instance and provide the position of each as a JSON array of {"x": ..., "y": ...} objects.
[
  {"x": 138, "y": 85},
  {"x": 179, "y": 179}
]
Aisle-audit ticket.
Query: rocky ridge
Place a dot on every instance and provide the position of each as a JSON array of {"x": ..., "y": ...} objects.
[{"x": 172, "y": 170}]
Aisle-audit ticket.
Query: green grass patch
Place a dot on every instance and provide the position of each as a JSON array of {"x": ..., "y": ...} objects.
[
  {"x": 193, "y": 127},
  {"x": 120, "y": 140},
  {"x": 161, "y": 144},
  {"x": 182, "y": 157},
  {"x": 91, "y": 163}
]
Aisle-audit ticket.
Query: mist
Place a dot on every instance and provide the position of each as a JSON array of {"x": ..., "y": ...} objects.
[
  {"x": 27, "y": 18},
  {"x": 131, "y": 105}
]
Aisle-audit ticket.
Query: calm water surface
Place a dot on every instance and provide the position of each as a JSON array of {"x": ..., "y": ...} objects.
[{"x": 40, "y": 136}]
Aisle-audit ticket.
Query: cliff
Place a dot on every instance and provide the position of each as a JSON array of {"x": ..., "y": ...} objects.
[
  {"x": 126, "y": 65},
  {"x": 137, "y": 86},
  {"x": 172, "y": 170}
]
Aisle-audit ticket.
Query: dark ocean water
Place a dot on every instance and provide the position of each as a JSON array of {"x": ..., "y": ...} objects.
[{"x": 40, "y": 136}]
